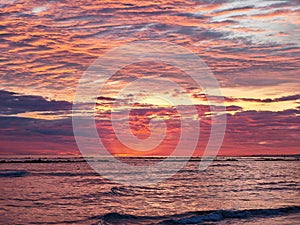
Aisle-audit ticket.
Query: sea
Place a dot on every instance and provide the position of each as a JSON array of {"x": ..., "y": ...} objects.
[{"x": 232, "y": 190}]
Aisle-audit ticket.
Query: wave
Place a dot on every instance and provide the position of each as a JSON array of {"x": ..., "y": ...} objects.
[
  {"x": 23, "y": 173},
  {"x": 66, "y": 174},
  {"x": 122, "y": 191},
  {"x": 13, "y": 173},
  {"x": 194, "y": 217},
  {"x": 238, "y": 214},
  {"x": 131, "y": 190}
]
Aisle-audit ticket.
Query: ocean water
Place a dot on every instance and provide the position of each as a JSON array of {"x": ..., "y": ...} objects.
[{"x": 239, "y": 191}]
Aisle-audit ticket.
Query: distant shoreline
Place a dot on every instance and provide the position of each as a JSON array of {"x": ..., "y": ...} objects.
[{"x": 78, "y": 159}]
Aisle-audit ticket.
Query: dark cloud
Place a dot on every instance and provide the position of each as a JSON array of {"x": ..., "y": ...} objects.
[
  {"x": 13, "y": 103},
  {"x": 36, "y": 136},
  {"x": 103, "y": 98},
  {"x": 256, "y": 131},
  {"x": 19, "y": 126},
  {"x": 233, "y": 108},
  {"x": 270, "y": 100},
  {"x": 266, "y": 100}
]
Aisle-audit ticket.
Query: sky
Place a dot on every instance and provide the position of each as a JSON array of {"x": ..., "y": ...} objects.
[{"x": 251, "y": 47}]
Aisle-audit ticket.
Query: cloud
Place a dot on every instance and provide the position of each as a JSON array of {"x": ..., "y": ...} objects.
[
  {"x": 245, "y": 130},
  {"x": 36, "y": 136},
  {"x": 247, "y": 45},
  {"x": 13, "y": 103},
  {"x": 270, "y": 100},
  {"x": 66, "y": 38},
  {"x": 103, "y": 98}
]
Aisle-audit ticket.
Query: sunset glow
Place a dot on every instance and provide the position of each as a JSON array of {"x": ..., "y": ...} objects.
[{"x": 251, "y": 47}]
